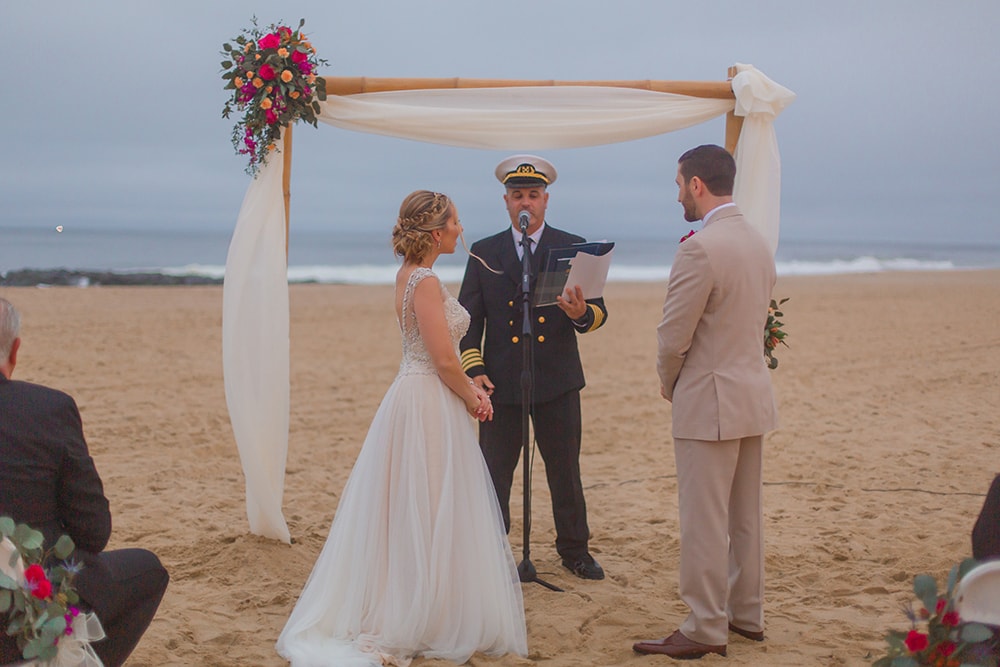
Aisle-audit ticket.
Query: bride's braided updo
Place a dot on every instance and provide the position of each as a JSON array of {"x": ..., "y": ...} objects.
[{"x": 420, "y": 213}]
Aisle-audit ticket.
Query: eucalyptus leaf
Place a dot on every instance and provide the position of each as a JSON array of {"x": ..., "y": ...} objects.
[
  {"x": 227, "y": 47},
  {"x": 7, "y": 526},
  {"x": 64, "y": 547},
  {"x": 55, "y": 626},
  {"x": 226, "y": 64},
  {"x": 7, "y": 582},
  {"x": 905, "y": 661},
  {"x": 5, "y": 601},
  {"x": 975, "y": 632},
  {"x": 28, "y": 538},
  {"x": 965, "y": 566},
  {"x": 925, "y": 588},
  {"x": 33, "y": 648}
]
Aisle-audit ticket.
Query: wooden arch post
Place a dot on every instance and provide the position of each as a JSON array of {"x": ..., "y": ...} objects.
[{"x": 354, "y": 85}]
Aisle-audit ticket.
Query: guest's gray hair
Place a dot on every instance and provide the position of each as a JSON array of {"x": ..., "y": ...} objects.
[{"x": 10, "y": 327}]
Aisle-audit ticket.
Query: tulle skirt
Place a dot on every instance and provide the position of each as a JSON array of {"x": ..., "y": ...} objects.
[{"x": 417, "y": 561}]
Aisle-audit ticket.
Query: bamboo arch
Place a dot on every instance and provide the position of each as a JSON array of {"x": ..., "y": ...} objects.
[{"x": 255, "y": 328}]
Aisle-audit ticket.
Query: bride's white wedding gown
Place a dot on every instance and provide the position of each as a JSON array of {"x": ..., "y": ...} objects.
[{"x": 417, "y": 561}]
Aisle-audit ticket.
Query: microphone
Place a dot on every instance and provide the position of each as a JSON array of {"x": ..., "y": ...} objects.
[{"x": 523, "y": 220}]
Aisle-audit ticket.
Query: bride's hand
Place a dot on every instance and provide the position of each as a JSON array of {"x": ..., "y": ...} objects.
[{"x": 481, "y": 408}]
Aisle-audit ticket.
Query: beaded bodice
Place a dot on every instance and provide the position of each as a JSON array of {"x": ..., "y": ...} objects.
[{"x": 416, "y": 359}]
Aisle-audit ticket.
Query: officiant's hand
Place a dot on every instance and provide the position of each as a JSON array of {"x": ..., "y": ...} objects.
[
  {"x": 483, "y": 382},
  {"x": 572, "y": 303}
]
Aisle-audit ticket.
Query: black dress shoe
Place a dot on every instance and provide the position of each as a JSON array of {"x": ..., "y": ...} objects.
[
  {"x": 585, "y": 568},
  {"x": 677, "y": 646},
  {"x": 752, "y": 635}
]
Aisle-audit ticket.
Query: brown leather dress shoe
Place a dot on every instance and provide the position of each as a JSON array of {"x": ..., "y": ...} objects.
[
  {"x": 756, "y": 636},
  {"x": 677, "y": 646}
]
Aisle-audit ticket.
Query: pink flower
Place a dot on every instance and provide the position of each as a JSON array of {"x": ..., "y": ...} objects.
[
  {"x": 915, "y": 641},
  {"x": 299, "y": 57},
  {"x": 39, "y": 584},
  {"x": 941, "y": 603},
  {"x": 951, "y": 618},
  {"x": 284, "y": 32},
  {"x": 271, "y": 41},
  {"x": 271, "y": 117},
  {"x": 687, "y": 236},
  {"x": 266, "y": 72},
  {"x": 305, "y": 67}
]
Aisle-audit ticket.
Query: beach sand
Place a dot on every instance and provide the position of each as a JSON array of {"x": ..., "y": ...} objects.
[{"x": 889, "y": 399}]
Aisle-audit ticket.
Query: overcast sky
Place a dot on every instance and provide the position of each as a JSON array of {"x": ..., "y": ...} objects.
[{"x": 111, "y": 117}]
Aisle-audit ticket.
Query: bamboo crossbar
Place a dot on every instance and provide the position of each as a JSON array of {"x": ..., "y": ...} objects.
[{"x": 354, "y": 85}]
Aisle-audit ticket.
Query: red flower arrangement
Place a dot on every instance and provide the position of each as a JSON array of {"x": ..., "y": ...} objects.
[
  {"x": 948, "y": 641},
  {"x": 272, "y": 76},
  {"x": 40, "y": 604}
]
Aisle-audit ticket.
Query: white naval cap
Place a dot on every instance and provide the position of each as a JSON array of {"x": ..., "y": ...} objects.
[{"x": 525, "y": 171}]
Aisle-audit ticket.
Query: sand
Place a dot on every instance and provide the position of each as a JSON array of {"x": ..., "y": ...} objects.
[{"x": 890, "y": 433}]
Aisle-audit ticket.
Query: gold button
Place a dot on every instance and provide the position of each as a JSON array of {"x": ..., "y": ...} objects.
[
  {"x": 541, "y": 319},
  {"x": 511, "y": 323},
  {"x": 510, "y": 303},
  {"x": 541, "y": 339},
  {"x": 514, "y": 340}
]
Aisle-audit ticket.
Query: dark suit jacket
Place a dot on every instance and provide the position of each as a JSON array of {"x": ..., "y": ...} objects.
[
  {"x": 494, "y": 304},
  {"x": 986, "y": 532},
  {"x": 47, "y": 478}
]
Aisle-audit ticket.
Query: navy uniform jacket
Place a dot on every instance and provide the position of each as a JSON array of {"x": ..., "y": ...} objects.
[{"x": 494, "y": 304}]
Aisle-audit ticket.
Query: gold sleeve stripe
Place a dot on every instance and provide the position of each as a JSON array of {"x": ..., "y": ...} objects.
[
  {"x": 472, "y": 358},
  {"x": 598, "y": 317}
]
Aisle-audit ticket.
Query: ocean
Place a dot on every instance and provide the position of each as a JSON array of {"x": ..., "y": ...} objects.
[{"x": 366, "y": 257}]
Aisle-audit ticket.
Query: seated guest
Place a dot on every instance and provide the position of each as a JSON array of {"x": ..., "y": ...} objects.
[
  {"x": 48, "y": 481},
  {"x": 986, "y": 533}
]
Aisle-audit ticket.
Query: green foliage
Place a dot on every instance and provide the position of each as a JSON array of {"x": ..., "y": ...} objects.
[
  {"x": 774, "y": 334},
  {"x": 36, "y": 619}
]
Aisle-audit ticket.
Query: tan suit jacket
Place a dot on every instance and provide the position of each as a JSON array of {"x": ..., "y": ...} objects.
[{"x": 711, "y": 339}]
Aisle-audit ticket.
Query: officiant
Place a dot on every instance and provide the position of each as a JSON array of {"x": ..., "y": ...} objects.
[{"x": 492, "y": 356}]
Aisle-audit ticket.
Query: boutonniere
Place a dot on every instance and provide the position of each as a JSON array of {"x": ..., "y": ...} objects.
[{"x": 686, "y": 236}]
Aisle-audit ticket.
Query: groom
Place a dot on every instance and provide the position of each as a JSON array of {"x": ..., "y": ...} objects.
[{"x": 711, "y": 367}]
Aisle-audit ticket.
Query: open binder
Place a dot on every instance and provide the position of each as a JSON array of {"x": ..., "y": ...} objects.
[{"x": 583, "y": 264}]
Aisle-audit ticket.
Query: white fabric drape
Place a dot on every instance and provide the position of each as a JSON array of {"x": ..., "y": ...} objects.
[
  {"x": 758, "y": 165},
  {"x": 255, "y": 297},
  {"x": 255, "y": 353}
]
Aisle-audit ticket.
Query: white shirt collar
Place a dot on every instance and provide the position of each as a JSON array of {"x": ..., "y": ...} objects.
[
  {"x": 516, "y": 234},
  {"x": 704, "y": 220}
]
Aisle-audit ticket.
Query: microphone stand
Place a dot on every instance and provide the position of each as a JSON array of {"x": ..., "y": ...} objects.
[{"x": 526, "y": 571}]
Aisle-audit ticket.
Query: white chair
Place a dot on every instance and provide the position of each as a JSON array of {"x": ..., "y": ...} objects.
[{"x": 977, "y": 596}]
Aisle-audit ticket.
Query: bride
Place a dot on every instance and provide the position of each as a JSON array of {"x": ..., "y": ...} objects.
[{"x": 417, "y": 560}]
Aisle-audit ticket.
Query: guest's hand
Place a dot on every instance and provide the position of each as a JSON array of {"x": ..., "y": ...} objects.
[{"x": 572, "y": 303}]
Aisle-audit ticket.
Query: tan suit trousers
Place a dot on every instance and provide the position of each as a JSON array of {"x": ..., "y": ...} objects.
[{"x": 719, "y": 488}]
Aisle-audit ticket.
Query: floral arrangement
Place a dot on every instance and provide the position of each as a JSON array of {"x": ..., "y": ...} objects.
[
  {"x": 947, "y": 641},
  {"x": 40, "y": 602},
  {"x": 774, "y": 334},
  {"x": 686, "y": 236},
  {"x": 272, "y": 76}
]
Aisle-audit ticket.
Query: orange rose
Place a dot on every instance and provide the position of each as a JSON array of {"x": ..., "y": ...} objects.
[
  {"x": 286, "y": 76},
  {"x": 247, "y": 47},
  {"x": 311, "y": 78},
  {"x": 294, "y": 94},
  {"x": 256, "y": 56},
  {"x": 258, "y": 83},
  {"x": 249, "y": 74},
  {"x": 269, "y": 89},
  {"x": 265, "y": 103},
  {"x": 283, "y": 52},
  {"x": 238, "y": 82}
]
